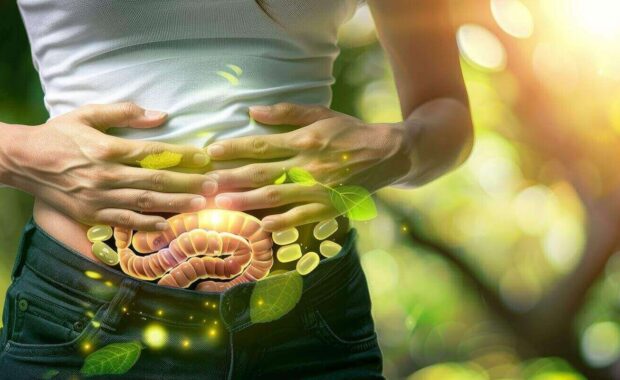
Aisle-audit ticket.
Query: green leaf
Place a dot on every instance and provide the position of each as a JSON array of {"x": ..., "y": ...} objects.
[
  {"x": 274, "y": 297},
  {"x": 161, "y": 160},
  {"x": 301, "y": 176},
  {"x": 50, "y": 374},
  {"x": 354, "y": 201},
  {"x": 280, "y": 179},
  {"x": 113, "y": 359}
]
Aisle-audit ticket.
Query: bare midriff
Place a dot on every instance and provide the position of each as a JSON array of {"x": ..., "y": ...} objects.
[{"x": 72, "y": 233}]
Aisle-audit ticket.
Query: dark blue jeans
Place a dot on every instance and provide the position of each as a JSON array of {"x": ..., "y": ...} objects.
[{"x": 56, "y": 294}]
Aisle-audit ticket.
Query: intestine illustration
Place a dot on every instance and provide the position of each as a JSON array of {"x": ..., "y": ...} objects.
[{"x": 218, "y": 248}]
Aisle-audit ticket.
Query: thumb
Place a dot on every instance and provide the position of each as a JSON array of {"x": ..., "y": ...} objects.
[
  {"x": 291, "y": 113},
  {"x": 125, "y": 114}
]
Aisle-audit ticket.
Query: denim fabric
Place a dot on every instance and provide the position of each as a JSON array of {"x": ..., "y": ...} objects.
[{"x": 51, "y": 303}]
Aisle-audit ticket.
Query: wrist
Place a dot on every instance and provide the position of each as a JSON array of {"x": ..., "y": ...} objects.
[
  {"x": 412, "y": 131},
  {"x": 12, "y": 139}
]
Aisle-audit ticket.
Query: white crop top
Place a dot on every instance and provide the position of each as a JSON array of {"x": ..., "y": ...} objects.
[{"x": 202, "y": 61}]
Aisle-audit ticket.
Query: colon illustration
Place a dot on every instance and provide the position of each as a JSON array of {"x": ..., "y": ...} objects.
[{"x": 218, "y": 248}]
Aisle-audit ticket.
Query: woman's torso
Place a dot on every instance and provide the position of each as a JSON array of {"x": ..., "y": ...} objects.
[{"x": 182, "y": 57}]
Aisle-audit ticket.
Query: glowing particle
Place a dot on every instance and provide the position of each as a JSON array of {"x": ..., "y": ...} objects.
[
  {"x": 404, "y": 228},
  {"x": 308, "y": 263},
  {"x": 160, "y": 312},
  {"x": 345, "y": 157},
  {"x": 86, "y": 347},
  {"x": 212, "y": 332},
  {"x": 92, "y": 274},
  {"x": 207, "y": 304},
  {"x": 229, "y": 77},
  {"x": 186, "y": 343},
  {"x": 289, "y": 253},
  {"x": 104, "y": 253},
  {"x": 96, "y": 324},
  {"x": 216, "y": 218},
  {"x": 214, "y": 306},
  {"x": 90, "y": 314},
  {"x": 260, "y": 302},
  {"x": 329, "y": 248},
  {"x": 124, "y": 309},
  {"x": 191, "y": 317},
  {"x": 99, "y": 233},
  {"x": 285, "y": 237},
  {"x": 215, "y": 322},
  {"x": 325, "y": 229},
  {"x": 155, "y": 336},
  {"x": 109, "y": 284}
]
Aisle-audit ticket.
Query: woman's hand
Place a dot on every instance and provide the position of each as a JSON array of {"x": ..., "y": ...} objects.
[
  {"x": 70, "y": 163},
  {"x": 335, "y": 148}
]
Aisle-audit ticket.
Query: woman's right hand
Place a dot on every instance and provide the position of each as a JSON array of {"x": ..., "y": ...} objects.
[{"x": 71, "y": 164}]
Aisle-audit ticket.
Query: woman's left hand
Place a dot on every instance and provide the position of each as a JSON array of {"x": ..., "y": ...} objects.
[{"x": 334, "y": 147}]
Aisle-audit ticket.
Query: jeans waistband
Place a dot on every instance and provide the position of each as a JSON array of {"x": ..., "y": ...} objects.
[{"x": 65, "y": 267}]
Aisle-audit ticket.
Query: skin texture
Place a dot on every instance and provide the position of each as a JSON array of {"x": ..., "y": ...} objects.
[{"x": 80, "y": 176}]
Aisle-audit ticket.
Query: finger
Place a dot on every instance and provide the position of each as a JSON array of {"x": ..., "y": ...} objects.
[
  {"x": 126, "y": 114},
  {"x": 131, "y": 220},
  {"x": 297, "y": 216},
  {"x": 248, "y": 176},
  {"x": 165, "y": 181},
  {"x": 291, "y": 113},
  {"x": 258, "y": 147},
  {"x": 271, "y": 196},
  {"x": 152, "y": 201},
  {"x": 131, "y": 152}
]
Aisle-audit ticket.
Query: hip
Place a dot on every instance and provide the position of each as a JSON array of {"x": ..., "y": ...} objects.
[{"x": 56, "y": 314}]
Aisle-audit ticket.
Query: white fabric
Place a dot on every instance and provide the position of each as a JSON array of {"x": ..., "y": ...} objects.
[{"x": 165, "y": 54}]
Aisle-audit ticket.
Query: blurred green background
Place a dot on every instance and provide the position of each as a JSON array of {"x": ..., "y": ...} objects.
[{"x": 506, "y": 268}]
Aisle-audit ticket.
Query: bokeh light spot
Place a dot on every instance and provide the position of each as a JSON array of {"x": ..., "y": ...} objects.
[
  {"x": 513, "y": 17},
  {"x": 481, "y": 48},
  {"x": 600, "y": 344}
]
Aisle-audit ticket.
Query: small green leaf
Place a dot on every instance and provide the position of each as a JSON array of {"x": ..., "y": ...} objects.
[
  {"x": 50, "y": 374},
  {"x": 274, "y": 297},
  {"x": 301, "y": 176},
  {"x": 161, "y": 160},
  {"x": 354, "y": 201},
  {"x": 113, "y": 359},
  {"x": 280, "y": 179}
]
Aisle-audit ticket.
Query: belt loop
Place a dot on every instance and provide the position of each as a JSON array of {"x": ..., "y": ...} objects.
[
  {"x": 126, "y": 293},
  {"x": 27, "y": 231}
]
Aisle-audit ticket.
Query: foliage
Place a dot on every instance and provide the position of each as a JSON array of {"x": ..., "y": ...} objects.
[
  {"x": 275, "y": 296},
  {"x": 113, "y": 359},
  {"x": 353, "y": 201},
  {"x": 161, "y": 160}
]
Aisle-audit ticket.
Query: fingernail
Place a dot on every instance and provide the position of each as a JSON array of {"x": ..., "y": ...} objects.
[
  {"x": 152, "y": 114},
  {"x": 223, "y": 202},
  {"x": 259, "y": 108},
  {"x": 201, "y": 159},
  {"x": 198, "y": 203},
  {"x": 162, "y": 226},
  {"x": 268, "y": 224},
  {"x": 215, "y": 150},
  {"x": 209, "y": 187}
]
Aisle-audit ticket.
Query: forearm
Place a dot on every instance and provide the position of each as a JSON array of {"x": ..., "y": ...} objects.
[
  {"x": 439, "y": 139},
  {"x": 8, "y": 141}
]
